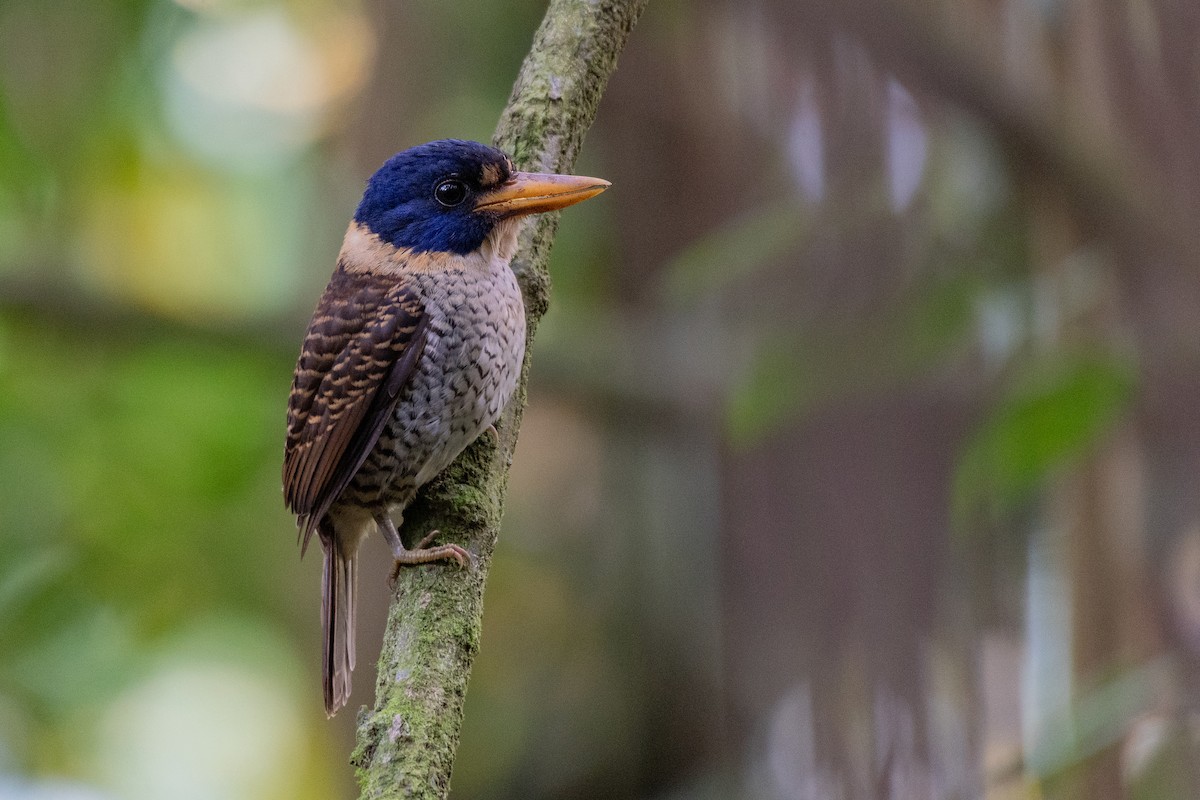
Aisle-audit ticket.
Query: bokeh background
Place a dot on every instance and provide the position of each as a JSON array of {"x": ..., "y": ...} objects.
[{"x": 862, "y": 456}]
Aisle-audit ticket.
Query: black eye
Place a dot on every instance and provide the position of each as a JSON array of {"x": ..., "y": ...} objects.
[{"x": 450, "y": 192}]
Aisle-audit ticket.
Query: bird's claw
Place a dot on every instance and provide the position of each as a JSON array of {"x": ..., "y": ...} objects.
[
  {"x": 428, "y": 540},
  {"x": 424, "y": 554},
  {"x": 491, "y": 429}
]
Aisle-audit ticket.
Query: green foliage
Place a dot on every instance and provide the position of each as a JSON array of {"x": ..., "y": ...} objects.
[
  {"x": 1046, "y": 421},
  {"x": 792, "y": 370},
  {"x": 734, "y": 252},
  {"x": 1097, "y": 720},
  {"x": 140, "y": 496}
]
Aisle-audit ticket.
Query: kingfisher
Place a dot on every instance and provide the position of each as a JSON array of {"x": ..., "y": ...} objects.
[{"x": 413, "y": 351}]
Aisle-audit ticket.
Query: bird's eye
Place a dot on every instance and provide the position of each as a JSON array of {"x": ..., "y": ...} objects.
[{"x": 450, "y": 192}]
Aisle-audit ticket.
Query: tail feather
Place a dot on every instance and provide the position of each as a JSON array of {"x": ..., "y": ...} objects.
[
  {"x": 338, "y": 590},
  {"x": 350, "y": 577}
]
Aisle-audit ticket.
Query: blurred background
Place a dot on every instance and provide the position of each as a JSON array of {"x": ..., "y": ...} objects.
[{"x": 862, "y": 452}]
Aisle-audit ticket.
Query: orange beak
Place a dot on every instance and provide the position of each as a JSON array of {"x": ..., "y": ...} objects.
[{"x": 536, "y": 192}]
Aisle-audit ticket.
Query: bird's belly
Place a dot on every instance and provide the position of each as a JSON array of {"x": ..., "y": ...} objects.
[{"x": 467, "y": 373}]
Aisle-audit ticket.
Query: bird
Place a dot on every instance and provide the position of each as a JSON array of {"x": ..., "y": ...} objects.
[{"x": 413, "y": 351}]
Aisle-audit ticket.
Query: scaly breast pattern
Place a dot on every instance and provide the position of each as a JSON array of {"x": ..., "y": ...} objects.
[{"x": 466, "y": 375}]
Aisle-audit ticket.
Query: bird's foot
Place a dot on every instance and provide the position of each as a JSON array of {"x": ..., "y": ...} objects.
[{"x": 424, "y": 554}]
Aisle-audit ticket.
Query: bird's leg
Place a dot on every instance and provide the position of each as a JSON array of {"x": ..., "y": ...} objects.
[{"x": 422, "y": 553}]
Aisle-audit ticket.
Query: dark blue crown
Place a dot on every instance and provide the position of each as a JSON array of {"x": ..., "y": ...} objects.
[{"x": 399, "y": 204}]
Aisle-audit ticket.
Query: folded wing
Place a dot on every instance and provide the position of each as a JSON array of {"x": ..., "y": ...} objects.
[{"x": 362, "y": 346}]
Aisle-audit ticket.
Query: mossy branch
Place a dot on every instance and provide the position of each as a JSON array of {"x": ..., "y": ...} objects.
[{"x": 407, "y": 743}]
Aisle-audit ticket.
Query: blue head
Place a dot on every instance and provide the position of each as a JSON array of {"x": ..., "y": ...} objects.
[
  {"x": 425, "y": 198},
  {"x": 448, "y": 196}
]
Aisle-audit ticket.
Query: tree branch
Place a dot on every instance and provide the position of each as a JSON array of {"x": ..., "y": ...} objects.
[{"x": 407, "y": 743}]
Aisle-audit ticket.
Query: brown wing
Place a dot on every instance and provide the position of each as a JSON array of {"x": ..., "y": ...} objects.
[{"x": 363, "y": 342}]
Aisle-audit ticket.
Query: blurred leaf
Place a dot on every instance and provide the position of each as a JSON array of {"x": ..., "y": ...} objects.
[
  {"x": 1099, "y": 719},
  {"x": 732, "y": 252},
  {"x": 778, "y": 385},
  {"x": 75, "y": 665},
  {"x": 1041, "y": 426},
  {"x": 22, "y": 578},
  {"x": 791, "y": 371}
]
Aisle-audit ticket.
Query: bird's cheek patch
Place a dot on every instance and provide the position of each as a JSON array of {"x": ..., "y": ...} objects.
[{"x": 491, "y": 175}]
